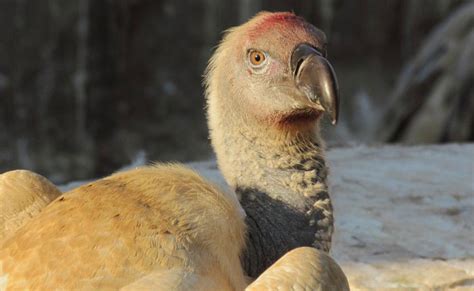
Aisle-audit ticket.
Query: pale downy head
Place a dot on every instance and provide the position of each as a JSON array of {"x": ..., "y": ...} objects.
[{"x": 271, "y": 71}]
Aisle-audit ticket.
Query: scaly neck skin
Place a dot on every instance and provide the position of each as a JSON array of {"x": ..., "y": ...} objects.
[{"x": 280, "y": 178}]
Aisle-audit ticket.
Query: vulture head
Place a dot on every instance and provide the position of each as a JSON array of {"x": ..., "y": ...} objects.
[{"x": 273, "y": 71}]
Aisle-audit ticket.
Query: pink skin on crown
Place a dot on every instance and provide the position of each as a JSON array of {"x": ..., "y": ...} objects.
[{"x": 282, "y": 19}]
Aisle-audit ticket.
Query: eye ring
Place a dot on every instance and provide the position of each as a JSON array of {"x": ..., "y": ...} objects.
[{"x": 257, "y": 58}]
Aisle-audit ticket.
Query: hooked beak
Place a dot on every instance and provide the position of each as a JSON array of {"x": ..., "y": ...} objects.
[{"x": 315, "y": 77}]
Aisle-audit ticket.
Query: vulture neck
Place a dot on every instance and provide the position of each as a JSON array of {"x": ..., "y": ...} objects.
[{"x": 280, "y": 178}]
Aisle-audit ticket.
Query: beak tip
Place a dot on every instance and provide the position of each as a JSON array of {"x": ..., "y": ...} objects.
[{"x": 334, "y": 120}]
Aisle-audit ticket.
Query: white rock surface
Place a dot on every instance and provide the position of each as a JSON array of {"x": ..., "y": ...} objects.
[{"x": 404, "y": 215}]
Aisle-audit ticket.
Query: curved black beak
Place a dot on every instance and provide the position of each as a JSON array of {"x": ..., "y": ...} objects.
[{"x": 315, "y": 77}]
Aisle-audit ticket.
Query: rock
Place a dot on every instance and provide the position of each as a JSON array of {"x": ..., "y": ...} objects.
[{"x": 404, "y": 216}]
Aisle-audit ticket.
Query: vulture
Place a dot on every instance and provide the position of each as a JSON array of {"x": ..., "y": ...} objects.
[
  {"x": 31, "y": 192},
  {"x": 164, "y": 227}
]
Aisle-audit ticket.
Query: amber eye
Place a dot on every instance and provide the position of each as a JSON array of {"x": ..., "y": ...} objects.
[{"x": 256, "y": 57}]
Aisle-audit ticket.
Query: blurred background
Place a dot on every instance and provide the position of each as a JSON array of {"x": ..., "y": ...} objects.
[{"x": 87, "y": 86}]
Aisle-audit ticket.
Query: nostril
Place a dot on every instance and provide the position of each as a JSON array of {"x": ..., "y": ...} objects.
[
  {"x": 299, "y": 54},
  {"x": 298, "y": 65}
]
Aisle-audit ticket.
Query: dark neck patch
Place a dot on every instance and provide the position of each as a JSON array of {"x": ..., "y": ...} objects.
[{"x": 274, "y": 228}]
